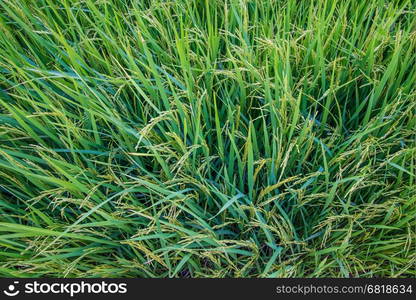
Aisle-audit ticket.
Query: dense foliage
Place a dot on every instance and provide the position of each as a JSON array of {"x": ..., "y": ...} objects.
[{"x": 207, "y": 138}]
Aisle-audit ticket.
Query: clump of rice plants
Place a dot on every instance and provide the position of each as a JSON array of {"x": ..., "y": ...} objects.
[{"x": 209, "y": 138}]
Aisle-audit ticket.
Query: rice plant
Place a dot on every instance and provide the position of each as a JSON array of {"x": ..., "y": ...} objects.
[{"x": 207, "y": 138}]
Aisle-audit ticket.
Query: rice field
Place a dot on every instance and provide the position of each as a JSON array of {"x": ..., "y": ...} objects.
[{"x": 207, "y": 138}]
